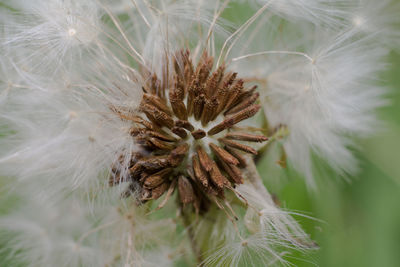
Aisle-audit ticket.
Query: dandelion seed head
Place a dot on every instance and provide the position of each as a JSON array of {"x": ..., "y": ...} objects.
[
  {"x": 190, "y": 123},
  {"x": 109, "y": 109}
]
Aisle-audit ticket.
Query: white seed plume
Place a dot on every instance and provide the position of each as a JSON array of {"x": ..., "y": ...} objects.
[
  {"x": 330, "y": 13},
  {"x": 327, "y": 99}
]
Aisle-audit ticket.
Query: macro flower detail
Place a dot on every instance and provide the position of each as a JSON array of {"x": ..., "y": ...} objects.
[
  {"x": 191, "y": 139},
  {"x": 156, "y": 132}
]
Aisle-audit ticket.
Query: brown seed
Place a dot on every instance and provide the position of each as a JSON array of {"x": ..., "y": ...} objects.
[
  {"x": 224, "y": 92},
  {"x": 156, "y": 179},
  {"x": 188, "y": 65},
  {"x": 233, "y": 172},
  {"x": 198, "y": 171},
  {"x": 157, "y": 116},
  {"x": 180, "y": 150},
  {"x": 142, "y": 140},
  {"x": 169, "y": 193},
  {"x": 229, "y": 79},
  {"x": 150, "y": 133},
  {"x": 144, "y": 175},
  {"x": 244, "y": 94},
  {"x": 156, "y": 102},
  {"x": 238, "y": 156},
  {"x": 217, "y": 178},
  {"x": 222, "y": 98},
  {"x": 159, "y": 190},
  {"x": 154, "y": 84},
  {"x": 177, "y": 60},
  {"x": 179, "y": 132},
  {"x": 124, "y": 114},
  {"x": 243, "y": 104},
  {"x": 211, "y": 189},
  {"x": 136, "y": 170},
  {"x": 162, "y": 136},
  {"x": 158, "y": 144},
  {"x": 198, "y": 106},
  {"x": 210, "y": 108},
  {"x": 223, "y": 155},
  {"x": 198, "y": 134},
  {"x": 215, "y": 79},
  {"x": 136, "y": 156},
  {"x": 154, "y": 162},
  {"x": 204, "y": 67},
  {"x": 188, "y": 76},
  {"x": 193, "y": 91},
  {"x": 177, "y": 155},
  {"x": 185, "y": 189},
  {"x": 176, "y": 100},
  {"x": 234, "y": 94},
  {"x": 232, "y": 120},
  {"x": 178, "y": 91},
  {"x": 239, "y": 146},
  {"x": 246, "y": 137},
  {"x": 204, "y": 159},
  {"x": 179, "y": 109},
  {"x": 143, "y": 122},
  {"x": 184, "y": 124}
]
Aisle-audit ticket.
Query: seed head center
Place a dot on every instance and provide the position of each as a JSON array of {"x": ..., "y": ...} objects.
[{"x": 189, "y": 138}]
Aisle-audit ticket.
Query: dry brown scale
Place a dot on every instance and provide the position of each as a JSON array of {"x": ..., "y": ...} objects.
[{"x": 173, "y": 150}]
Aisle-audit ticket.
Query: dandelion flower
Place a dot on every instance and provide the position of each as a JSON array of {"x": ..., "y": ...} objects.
[{"x": 111, "y": 110}]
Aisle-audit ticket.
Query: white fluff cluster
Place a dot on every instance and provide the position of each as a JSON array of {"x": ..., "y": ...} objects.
[
  {"x": 64, "y": 63},
  {"x": 254, "y": 240},
  {"x": 322, "y": 78},
  {"x": 325, "y": 99},
  {"x": 43, "y": 230}
]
